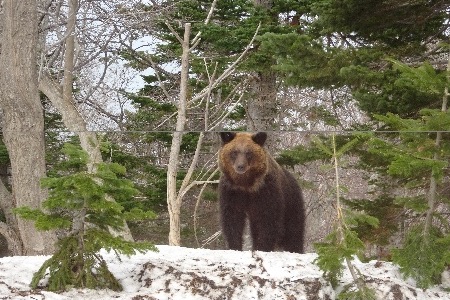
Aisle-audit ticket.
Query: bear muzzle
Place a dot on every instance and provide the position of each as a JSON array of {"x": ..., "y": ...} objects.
[{"x": 240, "y": 169}]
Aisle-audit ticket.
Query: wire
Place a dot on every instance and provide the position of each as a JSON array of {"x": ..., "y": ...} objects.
[{"x": 268, "y": 131}]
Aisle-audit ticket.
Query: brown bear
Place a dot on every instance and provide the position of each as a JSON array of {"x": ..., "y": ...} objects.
[{"x": 254, "y": 186}]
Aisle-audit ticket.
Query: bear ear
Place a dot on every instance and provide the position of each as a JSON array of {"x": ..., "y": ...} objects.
[
  {"x": 227, "y": 137},
  {"x": 260, "y": 138}
]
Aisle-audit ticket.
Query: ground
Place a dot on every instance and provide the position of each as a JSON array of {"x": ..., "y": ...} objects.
[{"x": 186, "y": 273}]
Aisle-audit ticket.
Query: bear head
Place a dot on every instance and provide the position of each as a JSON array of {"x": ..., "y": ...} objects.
[{"x": 242, "y": 158}]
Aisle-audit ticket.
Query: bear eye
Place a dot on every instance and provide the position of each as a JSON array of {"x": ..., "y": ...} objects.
[
  {"x": 233, "y": 154},
  {"x": 248, "y": 155}
]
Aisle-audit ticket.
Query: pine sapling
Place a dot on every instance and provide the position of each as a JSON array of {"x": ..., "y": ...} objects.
[
  {"x": 343, "y": 243},
  {"x": 80, "y": 205}
]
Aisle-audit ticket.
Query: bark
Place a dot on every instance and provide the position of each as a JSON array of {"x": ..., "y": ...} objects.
[
  {"x": 262, "y": 107},
  {"x": 10, "y": 228},
  {"x": 267, "y": 4},
  {"x": 23, "y": 122},
  {"x": 13, "y": 240}
]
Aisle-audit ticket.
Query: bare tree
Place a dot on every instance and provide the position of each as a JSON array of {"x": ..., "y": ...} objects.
[
  {"x": 174, "y": 197},
  {"x": 23, "y": 123}
]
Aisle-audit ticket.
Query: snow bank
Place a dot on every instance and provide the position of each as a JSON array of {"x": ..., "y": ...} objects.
[{"x": 183, "y": 273}]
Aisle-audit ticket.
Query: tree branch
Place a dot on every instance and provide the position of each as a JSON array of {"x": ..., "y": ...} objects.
[{"x": 230, "y": 69}]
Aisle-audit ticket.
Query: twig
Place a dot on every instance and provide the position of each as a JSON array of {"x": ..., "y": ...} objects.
[
  {"x": 211, "y": 239},
  {"x": 174, "y": 32},
  {"x": 231, "y": 68},
  {"x": 199, "y": 196}
]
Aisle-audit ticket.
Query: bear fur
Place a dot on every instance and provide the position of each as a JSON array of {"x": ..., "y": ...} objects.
[{"x": 254, "y": 186}]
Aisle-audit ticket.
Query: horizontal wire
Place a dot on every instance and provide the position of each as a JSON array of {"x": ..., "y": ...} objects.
[{"x": 268, "y": 131}]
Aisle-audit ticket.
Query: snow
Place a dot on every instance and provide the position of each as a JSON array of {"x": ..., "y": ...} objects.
[{"x": 184, "y": 273}]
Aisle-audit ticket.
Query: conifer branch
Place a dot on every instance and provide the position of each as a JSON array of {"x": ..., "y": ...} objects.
[{"x": 196, "y": 40}]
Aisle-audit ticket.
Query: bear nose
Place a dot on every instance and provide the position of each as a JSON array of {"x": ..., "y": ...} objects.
[{"x": 240, "y": 169}]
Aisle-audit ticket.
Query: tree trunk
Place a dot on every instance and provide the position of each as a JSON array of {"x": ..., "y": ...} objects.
[
  {"x": 23, "y": 122},
  {"x": 71, "y": 118},
  {"x": 173, "y": 201},
  {"x": 262, "y": 107}
]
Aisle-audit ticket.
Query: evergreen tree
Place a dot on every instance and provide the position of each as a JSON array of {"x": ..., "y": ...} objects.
[
  {"x": 143, "y": 169},
  {"x": 344, "y": 44},
  {"x": 79, "y": 205},
  {"x": 343, "y": 242},
  {"x": 421, "y": 158},
  {"x": 223, "y": 39},
  {"x": 221, "y": 44}
]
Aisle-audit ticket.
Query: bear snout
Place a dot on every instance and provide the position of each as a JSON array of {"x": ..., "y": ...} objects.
[{"x": 240, "y": 169}]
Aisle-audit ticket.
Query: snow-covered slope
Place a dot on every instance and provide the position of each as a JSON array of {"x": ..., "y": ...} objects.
[{"x": 183, "y": 273}]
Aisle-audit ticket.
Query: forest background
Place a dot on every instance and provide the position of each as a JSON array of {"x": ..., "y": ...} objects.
[{"x": 353, "y": 94}]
